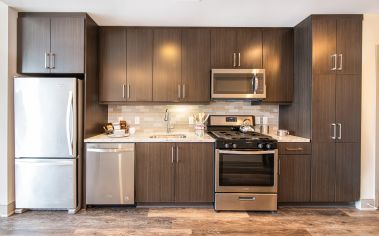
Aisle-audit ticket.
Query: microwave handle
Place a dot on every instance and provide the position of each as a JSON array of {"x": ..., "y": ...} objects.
[{"x": 254, "y": 83}]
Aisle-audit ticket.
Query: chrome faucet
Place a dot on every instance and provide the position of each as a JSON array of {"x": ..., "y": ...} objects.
[{"x": 167, "y": 118}]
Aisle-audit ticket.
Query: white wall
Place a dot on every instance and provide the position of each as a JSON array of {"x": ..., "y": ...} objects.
[
  {"x": 369, "y": 104},
  {"x": 8, "y": 49}
]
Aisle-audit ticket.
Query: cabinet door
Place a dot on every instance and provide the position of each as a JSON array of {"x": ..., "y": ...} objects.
[
  {"x": 278, "y": 63},
  {"x": 33, "y": 44},
  {"x": 347, "y": 172},
  {"x": 196, "y": 65},
  {"x": 294, "y": 178},
  {"x": 154, "y": 172},
  {"x": 223, "y": 47},
  {"x": 249, "y": 45},
  {"x": 349, "y": 45},
  {"x": 195, "y": 172},
  {"x": 323, "y": 108},
  {"x": 323, "y": 172},
  {"x": 67, "y": 45},
  {"x": 324, "y": 45},
  {"x": 112, "y": 64},
  {"x": 348, "y": 108},
  {"x": 167, "y": 65},
  {"x": 139, "y": 67}
]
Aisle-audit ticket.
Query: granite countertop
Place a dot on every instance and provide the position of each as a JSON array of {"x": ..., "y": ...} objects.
[
  {"x": 289, "y": 138},
  {"x": 190, "y": 137},
  {"x": 145, "y": 138}
]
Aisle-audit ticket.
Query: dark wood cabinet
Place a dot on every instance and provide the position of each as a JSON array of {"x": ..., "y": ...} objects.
[
  {"x": 294, "y": 178},
  {"x": 236, "y": 48},
  {"x": 278, "y": 65},
  {"x": 194, "y": 172},
  {"x": 154, "y": 172},
  {"x": 328, "y": 102},
  {"x": 167, "y": 65},
  {"x": 196, "y": 66},
  {"x": 139, "y": 64},
  {"x": 347, "y": 172},
  {"x": 51, "y": 43},
  {"x": 67, "y": 44},
  {"x": 112, "y": 71},
  {"x": 174, "y": 172},
  {"x": 33, "y": 44}
]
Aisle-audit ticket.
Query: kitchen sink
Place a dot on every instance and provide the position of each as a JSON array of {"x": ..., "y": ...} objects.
[{"x": 169, "y": 136}]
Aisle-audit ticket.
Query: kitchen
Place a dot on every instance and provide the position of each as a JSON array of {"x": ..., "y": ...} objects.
[{"x": 170, "y": 122}]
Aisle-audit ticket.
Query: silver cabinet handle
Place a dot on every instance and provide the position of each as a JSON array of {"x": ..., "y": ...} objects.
[
  {"x": 128, "y": 91},
  {"x": 184, "y": 91},
  {"x": 339, "y": 131},
  {"x": 123, "y": 90},
  {"x": 333, "y": 125},
  {"x": 234, "y": 59},
  {"x": 47, "y": 55},
  {"x": 334, "y": 61},
  {"x": 279, "y": 165},
  {"x": 53, "y": 60},
  {"x": 246, "y": 198},
  {"x": 177, "y": 154},
  {"x": 179, "y": 96},
  {"x": 340, "y": 57},
  {"x": 239, "y": 59},
  {"x": 172, "y": 155}
]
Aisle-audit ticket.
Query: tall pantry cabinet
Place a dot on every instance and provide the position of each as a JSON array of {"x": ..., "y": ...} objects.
[{"x": 327, "y": 103}]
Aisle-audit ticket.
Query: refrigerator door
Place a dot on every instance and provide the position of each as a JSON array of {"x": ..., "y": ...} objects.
[
  {"x": 45, "y": 117},
  {"x": 46, "y": 183}
]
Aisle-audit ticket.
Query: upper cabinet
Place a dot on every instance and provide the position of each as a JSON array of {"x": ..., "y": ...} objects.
[
  {"x": 167, "y": 65},
  {"x": 196, "y": 65},
  {"x": 51, "y": 43},
  {"x": 278, "y": 64},
  {"x": 236, "y": 48},
  {"x": 112, "y": 71},
  {"x": 337, "y": 43}
]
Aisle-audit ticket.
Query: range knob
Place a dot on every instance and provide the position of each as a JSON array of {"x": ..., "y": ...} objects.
[
  {"x": 234, "y": 145},
  {"x": 227, "y": 145},
  {"x": 269, "y": 146},
  {"x": 261, "y": 145}
]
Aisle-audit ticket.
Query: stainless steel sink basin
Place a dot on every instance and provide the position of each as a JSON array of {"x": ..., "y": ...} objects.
[{"x": 169, "y": 136}]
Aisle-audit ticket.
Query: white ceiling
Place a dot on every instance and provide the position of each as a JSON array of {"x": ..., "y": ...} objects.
[{"x": 198, "y": 13}]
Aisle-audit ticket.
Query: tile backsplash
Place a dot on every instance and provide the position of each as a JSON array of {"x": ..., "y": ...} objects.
[{"x": 151, "y": 116}]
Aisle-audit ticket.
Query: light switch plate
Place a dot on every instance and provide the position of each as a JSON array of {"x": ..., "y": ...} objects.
[{"x": 136, "y": 120}]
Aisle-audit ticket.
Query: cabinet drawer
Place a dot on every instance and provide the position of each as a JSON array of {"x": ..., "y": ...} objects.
[{"x": 294, "y": 148}]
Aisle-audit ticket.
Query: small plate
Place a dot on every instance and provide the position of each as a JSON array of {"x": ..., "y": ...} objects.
[{"x": 118, "y": 136}]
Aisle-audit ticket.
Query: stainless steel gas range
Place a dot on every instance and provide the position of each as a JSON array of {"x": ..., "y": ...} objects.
[{"x": 246, "y": 165}]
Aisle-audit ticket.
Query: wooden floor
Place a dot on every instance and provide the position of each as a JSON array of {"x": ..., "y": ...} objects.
[{"x": 193, "y": 221}]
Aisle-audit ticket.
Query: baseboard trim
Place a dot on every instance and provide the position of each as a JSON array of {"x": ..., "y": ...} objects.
[
  {"x": 7, "y": 210},
  {"x": 366, "y": 205}
]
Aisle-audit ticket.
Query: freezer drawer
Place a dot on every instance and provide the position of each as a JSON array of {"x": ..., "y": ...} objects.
[
  {"x": 46, "y": 183},
  {"x": 109, "y": 173}
]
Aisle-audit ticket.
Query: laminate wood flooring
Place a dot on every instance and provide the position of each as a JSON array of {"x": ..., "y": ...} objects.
[{"x": 193, "y": 221}]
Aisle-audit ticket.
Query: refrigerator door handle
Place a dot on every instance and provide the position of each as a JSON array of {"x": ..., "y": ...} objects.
[{"x": 69, "y": 117}]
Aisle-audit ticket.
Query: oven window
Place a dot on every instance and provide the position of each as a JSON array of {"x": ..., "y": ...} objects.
[{"x": 246, "y": 170}]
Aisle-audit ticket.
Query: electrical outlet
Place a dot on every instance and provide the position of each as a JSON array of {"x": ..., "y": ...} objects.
[
  {"x": 190, "y": 120},
  {"x": 136, "y": 120}
]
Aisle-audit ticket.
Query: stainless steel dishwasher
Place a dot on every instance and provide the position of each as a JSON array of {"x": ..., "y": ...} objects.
[{"x": 109, "y": 173}]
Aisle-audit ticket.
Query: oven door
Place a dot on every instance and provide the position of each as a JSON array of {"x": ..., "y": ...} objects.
[{"x": 242, "y": 171}]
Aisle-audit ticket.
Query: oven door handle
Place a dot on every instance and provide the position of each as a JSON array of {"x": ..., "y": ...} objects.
[{"x": 246, "y": 152}]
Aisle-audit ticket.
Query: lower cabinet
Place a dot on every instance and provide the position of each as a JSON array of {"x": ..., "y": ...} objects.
[
  {"x": 174, "y": 172},
  {"x": 294, "y": 172}
]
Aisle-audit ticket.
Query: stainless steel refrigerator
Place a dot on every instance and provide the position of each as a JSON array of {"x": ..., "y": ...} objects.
[{"x": 47, "y": 134}]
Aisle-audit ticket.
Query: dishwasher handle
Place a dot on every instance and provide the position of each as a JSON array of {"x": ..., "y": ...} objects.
[{"x": 111, "y": 150}]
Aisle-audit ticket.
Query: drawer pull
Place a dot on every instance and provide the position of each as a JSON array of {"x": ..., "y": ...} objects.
[
  {"x": 295, "y": 149},
  {"x": 246, "y": 198}
]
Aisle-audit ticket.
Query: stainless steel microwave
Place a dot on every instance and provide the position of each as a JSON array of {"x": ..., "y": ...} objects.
[{"x": 238, "y": 84}]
